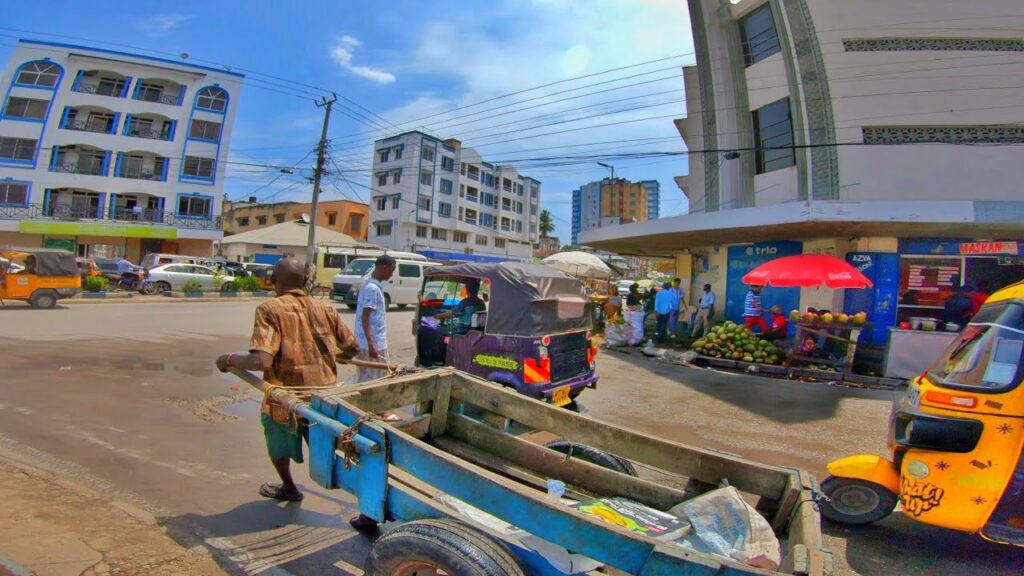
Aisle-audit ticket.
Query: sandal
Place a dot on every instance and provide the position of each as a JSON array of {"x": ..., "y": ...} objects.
[
  {"x": 276, "y": 491},
  {"x": 364, "y": 524}
]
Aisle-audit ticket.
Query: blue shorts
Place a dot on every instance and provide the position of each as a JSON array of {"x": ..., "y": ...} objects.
[{"x": 282, "y": 442}]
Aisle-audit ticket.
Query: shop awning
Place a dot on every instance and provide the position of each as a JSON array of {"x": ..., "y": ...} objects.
[{"x": 667, "y": 237}]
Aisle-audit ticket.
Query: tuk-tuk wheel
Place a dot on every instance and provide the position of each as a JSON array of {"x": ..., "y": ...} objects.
[
  {"x": 43, "y": 299},
  {"x": 855, "y": 501},
  {"x": 436, "y": 546}
]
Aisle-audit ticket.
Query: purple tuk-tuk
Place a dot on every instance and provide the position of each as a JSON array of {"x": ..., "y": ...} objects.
[{"x": 526, "y": 326}]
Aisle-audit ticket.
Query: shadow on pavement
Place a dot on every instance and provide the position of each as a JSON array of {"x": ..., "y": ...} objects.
[
  {"x": 901, "y": 545},
  {"x": 779, "y": 399},
  {"x": 256, "y": 535}
]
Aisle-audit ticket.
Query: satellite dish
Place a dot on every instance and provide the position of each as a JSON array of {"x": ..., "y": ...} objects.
[
  {"x": 305, "y": 218},
  {"x": 184, "y": 55}
]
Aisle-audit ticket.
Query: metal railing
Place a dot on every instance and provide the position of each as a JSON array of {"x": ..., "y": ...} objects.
[
  {"x": 62, "y": 211},
  {"x": 141, "y": 175},
  {"x": 99, "y": 89},
  {"x": 160, "y": 98},
  {"x": 87, "y": 126},
  {"x": 148, "y": 133},
  {"x": 92, "y": 169}
]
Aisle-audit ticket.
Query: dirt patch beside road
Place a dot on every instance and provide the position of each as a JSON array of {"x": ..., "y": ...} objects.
[{"x": 53, "y": 527}]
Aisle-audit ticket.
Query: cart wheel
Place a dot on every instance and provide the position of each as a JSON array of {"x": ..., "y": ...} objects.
[
  {"x": 853, "y": 501},
  {"x": 43, "y": 299},
  {"x": 440, "y": 547},
  {"x": 593, "y": 455}
]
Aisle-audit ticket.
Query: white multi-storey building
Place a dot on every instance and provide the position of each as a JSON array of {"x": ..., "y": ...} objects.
[
  {"x": 886, "y": 133},
  {"x": 440, "y": 199},
  {"x": 107, "y": 154}
]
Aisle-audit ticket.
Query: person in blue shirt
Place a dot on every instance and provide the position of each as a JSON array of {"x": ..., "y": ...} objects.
[
  {"x": 673, "y": 317},
  {"x": 703, "y": 321},
  {"x": 664, "y": 303},
  {"x": 464, "y": 310}
]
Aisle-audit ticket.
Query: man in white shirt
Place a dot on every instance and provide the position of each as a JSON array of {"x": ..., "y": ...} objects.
[{"x": 371, "y": 320}]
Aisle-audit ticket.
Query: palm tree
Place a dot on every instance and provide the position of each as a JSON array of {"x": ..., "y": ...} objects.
[{"x": 547, "y": 223}]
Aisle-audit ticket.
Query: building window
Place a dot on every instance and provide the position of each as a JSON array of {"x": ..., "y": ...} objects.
[
  {"x": 279, "y": 218},
  {"x": 355, "y": 224},
  {"x": 470, "y": 217},
  {"x": 519, "y": 189},
  {"x": 446, "y": 186},
  {"x": 438, "y": 233},
  {"x": 195, "y": 206},
  {"x": 39, "y": 73},
  {"x": 506, "y": 184},
  {"x": 506, "y": 225},
  {"x": 242, "y": 222},
  {"x": 534, "y": 190},
  {"x": 332, "y": 218},
  {"x": 428, "y": 153},
  {"x": 757, "y": 31},
  {"x": 463, "y": 169},
  {"x": 383, "y": 229},
  {"x": 481, "y": 240},
  {"x": 398, "y": 152},
  {"x": 261, "y": 220},
  {"x": 382, "y": 179},
  {"x": 26, "y": 108},
  {"x": 149, "y": 92},
  {"x": 462, "y": 190},
  {"x": 421, "y": 231},
  {"x": 396, "y": 176},
  {"x": 424, "y": 204},
  {"x": 17, "y": 148},
  {"x": 13, "y": 193},
  {"x": 427, "y": 178},
  {"x": 212, "y": 98},
  {"x": 447, "y": 164},
  {"x": 382, "y": 203},
  {"x": 444, "y": 209},
  {"x": 499, "y": 242},
  {"x": 384, "y": 154},
  {"x": 472, "y": 194},
  {"x": 203, "y": 130},
  {"x": 395, "y": 201},
  {"x": 773, "y": 135},
  {"x": 460, "y": 237},
  {"x": 197, "y": 167},
  {"x": 474, "y": 173}
]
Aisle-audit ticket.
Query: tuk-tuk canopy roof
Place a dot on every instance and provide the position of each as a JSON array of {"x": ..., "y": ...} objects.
[
  {"x": 49, "y": 261},
  {"x": 526, "y": 299}
]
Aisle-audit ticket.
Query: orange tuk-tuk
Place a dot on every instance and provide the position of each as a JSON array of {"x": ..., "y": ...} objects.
[{"x": 39, "y": 276}]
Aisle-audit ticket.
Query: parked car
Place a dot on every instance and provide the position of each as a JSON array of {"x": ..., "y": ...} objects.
[
  {"x": 108, "y": 268},
  {"x": 174, "y": 276},
  {"x": 402, "y": 289}
]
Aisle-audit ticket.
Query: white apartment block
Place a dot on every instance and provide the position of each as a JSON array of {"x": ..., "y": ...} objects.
[
  {"x": 105, "y": 153},
  {"x": 443, "y": 201}
]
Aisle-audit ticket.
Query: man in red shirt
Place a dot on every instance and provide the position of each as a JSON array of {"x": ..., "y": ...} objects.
[
  {"x": 779, "y": 324},
  {"x": 979, "y": 296}
]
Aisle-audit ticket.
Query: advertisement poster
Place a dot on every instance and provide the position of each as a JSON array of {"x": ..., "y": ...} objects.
[{"x": 743, "y": 259}]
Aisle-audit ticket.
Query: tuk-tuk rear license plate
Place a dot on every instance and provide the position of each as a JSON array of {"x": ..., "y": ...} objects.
[{"x": 560, "y": 396}]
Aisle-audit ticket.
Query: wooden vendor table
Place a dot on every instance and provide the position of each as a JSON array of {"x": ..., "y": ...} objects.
[{"x": 844, "y": 332}]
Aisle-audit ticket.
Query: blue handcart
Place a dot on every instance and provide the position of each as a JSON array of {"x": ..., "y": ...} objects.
[{"x": 453, "y": 444}]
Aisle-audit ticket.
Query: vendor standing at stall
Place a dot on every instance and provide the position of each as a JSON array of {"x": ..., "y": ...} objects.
[{"x": 753, "y": 313}]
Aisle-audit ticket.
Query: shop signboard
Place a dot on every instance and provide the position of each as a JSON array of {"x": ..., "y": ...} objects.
[
  {"x": 60, "y": 244},
  {"x": 743, "y": 259},
  {"x": 880, "y": 301}
]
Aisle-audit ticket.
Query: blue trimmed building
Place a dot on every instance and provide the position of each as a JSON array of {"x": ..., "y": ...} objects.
[{"x": 107, "y": 153}]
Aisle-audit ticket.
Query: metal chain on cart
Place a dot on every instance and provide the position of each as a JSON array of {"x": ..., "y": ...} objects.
[{"x": 346, "y": 441}]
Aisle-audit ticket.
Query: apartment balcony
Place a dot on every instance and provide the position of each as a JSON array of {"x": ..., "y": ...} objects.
[
  {"x": 80, "y": 159},
  {"x": 91, "y": 212},
  {"x": 101, "y": 83},
  {"x": 159, "y": 91},
  {"x": 89, "y": 119},
  {"x": 141, "y": 166},
  {"x": 150, "y": 126}
]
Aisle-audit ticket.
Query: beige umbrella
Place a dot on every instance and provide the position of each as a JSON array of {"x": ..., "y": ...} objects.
[{"x": 581, "y": 265}]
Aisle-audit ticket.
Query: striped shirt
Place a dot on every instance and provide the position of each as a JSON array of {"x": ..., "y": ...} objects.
[{"x": 752, "y": 304}]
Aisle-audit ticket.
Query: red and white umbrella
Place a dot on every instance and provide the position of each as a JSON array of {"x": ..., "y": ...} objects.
[{"x": 805, "y": 271}]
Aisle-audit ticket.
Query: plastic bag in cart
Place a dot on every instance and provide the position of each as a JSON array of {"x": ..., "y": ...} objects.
[{"x": 724, "y": 524}]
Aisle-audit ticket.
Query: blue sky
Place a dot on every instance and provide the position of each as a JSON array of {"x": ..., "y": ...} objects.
[{"x": 407, "y": 64}]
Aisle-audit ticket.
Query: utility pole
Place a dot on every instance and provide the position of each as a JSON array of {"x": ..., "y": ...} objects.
[{"x": 321, "y": 158}]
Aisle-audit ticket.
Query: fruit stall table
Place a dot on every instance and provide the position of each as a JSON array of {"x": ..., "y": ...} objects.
[{"x": 843, "y": 332}]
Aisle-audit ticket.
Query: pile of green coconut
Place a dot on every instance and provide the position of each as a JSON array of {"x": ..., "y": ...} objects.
[{"x": 734, "y": 342}]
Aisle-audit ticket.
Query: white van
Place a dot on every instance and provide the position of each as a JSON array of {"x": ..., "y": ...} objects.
[{"x": 403, "y": 289}]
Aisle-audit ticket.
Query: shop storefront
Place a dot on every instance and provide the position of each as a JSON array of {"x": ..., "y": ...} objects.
[{"x": 931, "y": 271}]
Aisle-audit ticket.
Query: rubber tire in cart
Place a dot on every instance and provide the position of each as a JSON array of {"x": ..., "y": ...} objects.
[
  {"x": 593, "y": 455},
  {"x": 446, "y": 545}
]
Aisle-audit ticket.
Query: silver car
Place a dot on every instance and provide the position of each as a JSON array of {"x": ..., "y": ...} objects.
[{"x": 175, "y": 276}]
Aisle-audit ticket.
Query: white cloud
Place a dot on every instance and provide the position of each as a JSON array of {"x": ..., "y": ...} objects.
[
  {"x": 342, "y": 52},
  {"x": 160, "y": 24}
]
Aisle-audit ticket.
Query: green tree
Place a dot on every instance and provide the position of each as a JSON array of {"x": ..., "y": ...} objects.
[{"x": 547, "y": 223}]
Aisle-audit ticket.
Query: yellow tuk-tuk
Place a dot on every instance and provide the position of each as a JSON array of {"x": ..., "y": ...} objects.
[
  {"x": 956, "y": 438},
  {"x": 42, "y": 276}
]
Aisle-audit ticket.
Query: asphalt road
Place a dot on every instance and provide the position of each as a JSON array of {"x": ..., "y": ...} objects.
[{"x": 125, "y": 398}]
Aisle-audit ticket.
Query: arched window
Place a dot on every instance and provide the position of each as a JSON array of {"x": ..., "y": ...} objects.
[
  {"x": 212, "y": 98},
  {"x": 39, "y": 73}
]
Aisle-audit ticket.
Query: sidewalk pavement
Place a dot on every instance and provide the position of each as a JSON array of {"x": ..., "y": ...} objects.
[{"x": 50, "y": 526}]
